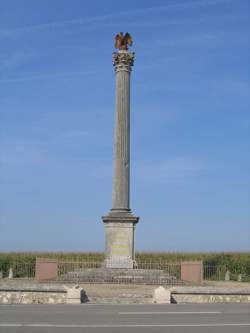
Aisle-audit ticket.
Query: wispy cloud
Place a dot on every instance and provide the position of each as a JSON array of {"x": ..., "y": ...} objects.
[
  {"x": 74, "y": 135},
  {"x": 218, "y": 38},
  {"x": 171, "y": 170},
  {"x": 17, "y": 154},
  {"x": 14, "y": 60},
  {"x": 52, "y": 76},
  {"x": 194, "y": 39},
  {"x": 142, "y": 22},
  {"x": 20, "y": 157},
  {"x": 117, "y": 15},
  {"x": 235, "y": 86}
]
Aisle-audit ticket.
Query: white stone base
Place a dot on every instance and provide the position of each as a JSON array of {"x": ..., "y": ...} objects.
[
  {"x": 74, "y": 295},
  {"x": 119, "y": 231},
  {"x": 119, "y": 262},
  {"x": 162, "y": 296}
]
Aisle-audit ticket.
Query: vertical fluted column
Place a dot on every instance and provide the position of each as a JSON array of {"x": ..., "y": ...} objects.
[
  {"x": 123, "y": 61},
  {"x": 120, "y": 222}
]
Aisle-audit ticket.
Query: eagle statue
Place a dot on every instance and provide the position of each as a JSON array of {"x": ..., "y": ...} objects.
[{"x": 122, "y": 41}]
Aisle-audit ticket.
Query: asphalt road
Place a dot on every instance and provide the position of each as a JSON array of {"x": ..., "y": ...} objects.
[{"x": 172, "y": 318}]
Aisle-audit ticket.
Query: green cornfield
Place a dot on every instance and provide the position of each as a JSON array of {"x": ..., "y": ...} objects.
[{"x": 235, "y": 261}]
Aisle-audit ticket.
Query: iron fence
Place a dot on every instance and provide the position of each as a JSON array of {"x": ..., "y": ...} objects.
[
  {"x": 224, "y": 273},
  {"x": 17, "y": 270},
  {"x": 145, "y": 272}
]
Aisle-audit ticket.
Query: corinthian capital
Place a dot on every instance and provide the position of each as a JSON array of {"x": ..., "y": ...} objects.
[{"x": 123, "y": 60}]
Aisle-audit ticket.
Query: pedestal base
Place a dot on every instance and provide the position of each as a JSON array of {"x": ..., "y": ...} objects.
[{"x": 119, "y": 231}]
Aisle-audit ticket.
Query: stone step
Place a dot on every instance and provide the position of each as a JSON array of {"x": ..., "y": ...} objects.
[{"x": 136, "y": 276}]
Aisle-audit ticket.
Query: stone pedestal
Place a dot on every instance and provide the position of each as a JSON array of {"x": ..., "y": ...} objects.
[
  {"x": 120, "y": 234},
  {"x": 120, "y": 222}
]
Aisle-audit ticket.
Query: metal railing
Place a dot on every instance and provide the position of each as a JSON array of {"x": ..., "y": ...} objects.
[
  {"x": 17, "y": 270},
  {"x": 144, "y": 272},
  {"x": 224, "y": 273}
]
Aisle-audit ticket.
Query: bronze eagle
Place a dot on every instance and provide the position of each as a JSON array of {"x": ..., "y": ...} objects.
[{"x": 122, "y": 41}]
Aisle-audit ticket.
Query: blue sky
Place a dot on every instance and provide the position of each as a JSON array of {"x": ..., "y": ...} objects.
[{"x": 190, "y": 125}]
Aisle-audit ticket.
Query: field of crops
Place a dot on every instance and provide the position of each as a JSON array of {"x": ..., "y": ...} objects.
[{"x": 236, "y": 261}]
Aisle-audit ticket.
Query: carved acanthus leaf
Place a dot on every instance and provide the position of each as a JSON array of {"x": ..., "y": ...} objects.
[{"x": 123, "y": 60}]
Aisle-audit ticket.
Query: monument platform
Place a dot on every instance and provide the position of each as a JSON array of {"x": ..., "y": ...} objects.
[{"x": 121, "y": 275}]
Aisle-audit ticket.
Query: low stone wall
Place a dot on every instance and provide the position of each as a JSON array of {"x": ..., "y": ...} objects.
[
  {"x": 191, "y": 298},
  {"x": 210, "y": 294},
  {"x": 32, "y": 297},
  {"x": 45, "y": 297},
  {"x": 31, "y": 292},
  {"x": 17, "y": 291}
]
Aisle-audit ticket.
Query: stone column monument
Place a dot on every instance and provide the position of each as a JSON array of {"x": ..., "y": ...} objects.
[{"x": 120, "y": 222}]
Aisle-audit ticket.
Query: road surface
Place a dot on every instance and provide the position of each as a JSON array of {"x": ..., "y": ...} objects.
[{"x": 171, "y": 318}]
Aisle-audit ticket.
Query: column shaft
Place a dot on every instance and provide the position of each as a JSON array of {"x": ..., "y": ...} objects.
[{"x": 122, "y": 141}]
